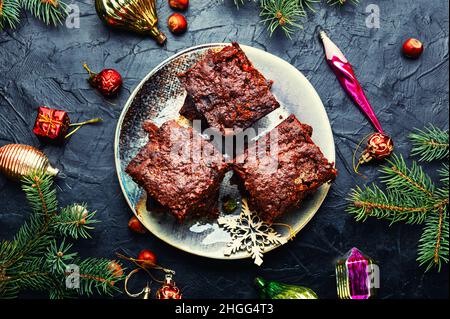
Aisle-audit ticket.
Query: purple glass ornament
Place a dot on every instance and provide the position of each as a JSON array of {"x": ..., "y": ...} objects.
[
  {"x": 357, "y": 276},
  {"x": 344, "y": 72}
]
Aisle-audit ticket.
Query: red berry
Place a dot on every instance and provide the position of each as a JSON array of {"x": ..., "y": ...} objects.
[
  {"x": 177, "y": 23},
  {"x": 135, "y": 225},
  {"x": 412, "y": 48},
  {"x": 108, "y": 81},
  {"x": 147, "y": 259},
  {"x": 179, "y": 4}
]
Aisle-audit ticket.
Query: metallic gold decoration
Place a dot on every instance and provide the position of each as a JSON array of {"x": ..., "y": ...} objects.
[
  {"x": 144, "y": 294},
  {"x": 132, "y": 15},
  {"x": 249, "y": 233},
  {"x": 18, "y": 160}
]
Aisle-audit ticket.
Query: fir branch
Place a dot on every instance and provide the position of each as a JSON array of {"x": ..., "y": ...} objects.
[
  {"x": 9, "y": 14},
  {"x": 411, "y": 196},
  {"x": 283, "y": 14},
  {"x": 58, "y": 257},
  {"x": 430, "y": 144},
  {"x": 390, "y": 206},
  {"x": 433, "y": 245},
  {"x": 444, "y": 174},
  {"x": 74, "y": 221},
  {"x": 412, "y": 181},
  {"x": 34, "y": 261},
  {"x": 40, "y": 194},
  {"x": 48, "y": 11},
  {"x": 97, "y": 275}
]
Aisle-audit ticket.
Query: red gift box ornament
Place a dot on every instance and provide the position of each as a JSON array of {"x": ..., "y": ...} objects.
[{"x": 53, "y": 125}]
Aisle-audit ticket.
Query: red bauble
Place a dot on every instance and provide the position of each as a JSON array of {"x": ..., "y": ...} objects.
[
  {"x": 108, "y": 81},
  {"x": 177, "y": 23},
  {"x": 179, "y": 4},
  {"x": 147, "y": 259},
  {"x": 412, "y": 48},
  {"x": 169, "y": 290},
  {"x": 136, "y": 226},
  {"x": 51, "y": 125},
  {"x": 379, "y": 146}
]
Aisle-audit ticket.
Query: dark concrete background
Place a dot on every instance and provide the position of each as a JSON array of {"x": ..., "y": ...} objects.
[{"x": 43, "y": 66}]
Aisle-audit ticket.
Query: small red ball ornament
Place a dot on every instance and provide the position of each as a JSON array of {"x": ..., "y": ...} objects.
[
  {"x": 136, "y": 226},
  {"x": 115, "y": 269},
  {"x": 412, "y": 48},
  {"x": 177, "y": 23},
  {"x": 169, "y": 290},
  {"x": 379, "y": 146},
  {"x": 108, "y": 81},
  {"x": 179, "y": 4},
  {"x": 147, "y": 259}
]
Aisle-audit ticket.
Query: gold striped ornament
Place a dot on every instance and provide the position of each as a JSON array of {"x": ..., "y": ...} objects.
[
  {"x": 138, "y": 16},
  {"x": 19, "y": 160}
]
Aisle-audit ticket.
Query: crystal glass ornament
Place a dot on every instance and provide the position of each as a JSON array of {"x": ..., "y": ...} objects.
[{"x": 357, "y": 276}]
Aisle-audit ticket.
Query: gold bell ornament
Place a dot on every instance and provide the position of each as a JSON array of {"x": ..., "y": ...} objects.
[
  {"x": 19, "y": 160},
  {"x": 131, "y": 15}
]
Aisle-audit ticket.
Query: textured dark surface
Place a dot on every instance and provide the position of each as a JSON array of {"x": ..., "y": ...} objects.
[{"x": 43, "y": 66}]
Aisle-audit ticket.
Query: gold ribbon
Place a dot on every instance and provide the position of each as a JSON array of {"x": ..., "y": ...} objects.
[{"x": 52, "y": 123}]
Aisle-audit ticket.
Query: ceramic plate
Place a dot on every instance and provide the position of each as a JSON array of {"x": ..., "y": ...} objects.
[{"x": 160, "y": 96}]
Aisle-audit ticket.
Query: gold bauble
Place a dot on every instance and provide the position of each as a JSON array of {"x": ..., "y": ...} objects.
[
  {"x": 18, "y": 160},
  {"x": 131, "y": 15}
]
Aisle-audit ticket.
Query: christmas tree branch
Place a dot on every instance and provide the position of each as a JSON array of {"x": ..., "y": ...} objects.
[
  {"x": 391, "y": 206},
  {"x": 283, "y": 14},
  {"x": 398, "y": 177},
  {"x": 430, "y": 144},
  {"x": 48, "y": 11},
  {"x": 9, "y": 14},
  {"x": 33, "y": 260},
  {"x": 412, "y": 196},
  {"x": 433, "y": 244}
]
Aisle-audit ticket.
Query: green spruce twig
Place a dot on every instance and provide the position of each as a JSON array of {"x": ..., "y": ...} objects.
[
  {"x": 9, "y": 14},
  {"x": 430, "y": 144},
  {"x": 412, "y": 197},
  {"x": 284, "y": 14},
  {"x": 48, "y": 11},
  {"x": 37, "y": 258}
]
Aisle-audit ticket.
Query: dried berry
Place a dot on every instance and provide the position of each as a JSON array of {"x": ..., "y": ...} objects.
[
  {"x": 177, "y": 23},
  {"x": 412, "y": 48},
  {"x": 179, "y": 4}
]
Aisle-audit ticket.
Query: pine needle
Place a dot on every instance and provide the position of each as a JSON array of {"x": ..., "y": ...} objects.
[
  {"x": 433, "y": 244},
  {"x": 34, "y": 261},
  {"x": 51, "y": 12},
  {"x": 412, "y": 197},
  {"x": 9, "y": 14},
  {"x": 430, "y": 144},
  {"x": 284, "y": 14}
]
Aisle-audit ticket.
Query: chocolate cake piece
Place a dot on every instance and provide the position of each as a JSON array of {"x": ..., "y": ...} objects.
[
  {"x": 278, "y": 180},
  {"x": 179, "y": 169},
  {"x": 227, "y": 91}
]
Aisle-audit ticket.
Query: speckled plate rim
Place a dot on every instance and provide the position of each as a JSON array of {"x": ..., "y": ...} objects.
[{"x": 129, "y": 102}]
